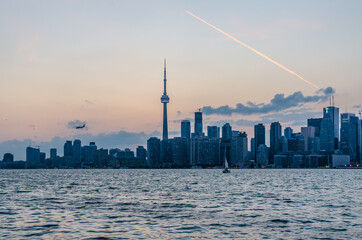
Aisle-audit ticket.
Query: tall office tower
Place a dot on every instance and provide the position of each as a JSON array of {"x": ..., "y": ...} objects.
[
  {"x": 239, "y": 150},
  {"x": 213, "y": 132},
  {"x": 259, "y": 135},
  {"x": 275, "y": 134},
  {"x": 252, "y": 148},
  {"x": 164, "y": 99},
  {"x": 154, "y": 152},
  {"x": 198, "y": 124},
  {"x": 226, "y": 131},
  {"x": 333, "y": 113},
  {"x": 32, "y": 157},
  {"x": 349, "y": 135},
  {"x": 77, "y": 151},
  {"x": 53, "y": 153},
  {"x": 288, "y": 131},
  {"x": 68, "y": 149},
  {"x": 185, "y": 129},
  {"x": 327, "y": 140},
  {"x": 181, "y": 152},
  {"x": 309, "y": 135},
  {"x": 316, "y": 123}
]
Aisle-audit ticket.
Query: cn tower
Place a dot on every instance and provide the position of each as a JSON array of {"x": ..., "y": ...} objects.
[{"x": 164, "y": 99}]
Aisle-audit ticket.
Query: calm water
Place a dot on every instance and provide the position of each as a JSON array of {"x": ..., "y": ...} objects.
[{"x": 181, "y": 204}]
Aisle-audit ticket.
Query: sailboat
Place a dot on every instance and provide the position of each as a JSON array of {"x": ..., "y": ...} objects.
[{"x": 226, "y": 165}]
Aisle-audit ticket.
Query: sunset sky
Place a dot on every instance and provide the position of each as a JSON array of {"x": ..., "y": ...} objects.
[{"x": 101, "y": 62}]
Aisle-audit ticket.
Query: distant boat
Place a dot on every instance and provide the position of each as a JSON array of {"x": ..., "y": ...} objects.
[{"x": 226, "y": 165}]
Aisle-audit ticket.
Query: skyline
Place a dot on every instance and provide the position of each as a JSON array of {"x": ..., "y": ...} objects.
[{"x": 92, "y": 78}]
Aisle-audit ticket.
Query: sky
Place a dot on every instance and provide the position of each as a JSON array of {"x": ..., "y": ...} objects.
[{"x": 101, "y": 62}]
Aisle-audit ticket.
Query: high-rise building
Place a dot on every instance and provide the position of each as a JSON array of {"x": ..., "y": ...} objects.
[
  {"x": 239, "y": 150},
  {"x": 164, "y": 99},
  {"x": 275, "y": 134},
  {"x": 252, "y": 149},
  {"x": 226, "y": 131},
  {"x": 288, "y": 131},
  {"x": 89, "y": 154},
  {"x": 53, "y": 153},
  {"x": 213, "y": 132},
  {"x": 308, "y": 134},
  {"x": 259, "y": 135},
  {"x": 181, "y": 152},
  {"x": 349, "y": 135},
  {"x": 77, "y": 151},
  {"x": 185, "y": 129},
  {"x": 32, "y": 157},
  {"x": 262, "y": 153},
  {"x": 68, "y": 149},
  {"x": 316, "y": 123},
  {"x": 327, "y": 139},
  {"x": 333, "y": 113},
  {"x": 166, "y": 153},
  {"x": 154, "y": 152},
  {"x": 198, "y": 124}
]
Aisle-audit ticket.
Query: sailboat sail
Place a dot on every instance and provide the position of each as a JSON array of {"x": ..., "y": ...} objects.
[{"x": 226, "y": 164}]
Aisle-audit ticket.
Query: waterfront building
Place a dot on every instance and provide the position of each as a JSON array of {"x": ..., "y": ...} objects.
[
  {"x": 327, "y": 139},
  {"x": 259, "y": 135},
  {"x": 181, "y": 152},
  {"x": 154, "y": 152},
  {"x": 239, "y": 150},
  {"x": 275, "y": 134},
  {"x": 333, "y": 113},
  {"x": 32, "y": 157},
  {"x": 349, "y": 135},
  {"x": 308, "y": 135}
]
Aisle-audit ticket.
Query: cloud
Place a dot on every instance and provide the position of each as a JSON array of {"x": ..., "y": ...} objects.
[
  {"x": 279, "y": 102},
  {"x": 76, "y": 123},
  {"x": 121, "y": 139},
  {"x": 357, "y": 106},
  {"x": 178, "y": 113}
]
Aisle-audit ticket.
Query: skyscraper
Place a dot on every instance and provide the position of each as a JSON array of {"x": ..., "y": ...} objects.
[
  {"x": 259, "y": 136},
  {"x": 288, "y": 131},
  {"x": 154, "y": 152},
  {"x": 198, "y": 124},
  {"x": 308, "y": 135},
  {"x": 316, "y": 123},
  {"x": 164, "y": 99},
  {"x": 327, "y": 140},
  {"x": 226, "y": 131},
  {"x": 349, "y": 135},
  {"x": 213, "y": 132},
  {"x": 275, "y": 134},
  {"x": 185, "y": 129},
  {"x": 333, "y": 113}
]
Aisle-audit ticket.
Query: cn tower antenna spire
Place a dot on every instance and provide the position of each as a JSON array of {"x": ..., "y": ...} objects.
[{"x": 164, "y": 100}]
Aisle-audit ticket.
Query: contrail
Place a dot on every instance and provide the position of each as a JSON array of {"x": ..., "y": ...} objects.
[{"x": 254, "y": 50}]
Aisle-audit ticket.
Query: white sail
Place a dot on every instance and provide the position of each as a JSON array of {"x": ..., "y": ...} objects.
[{"x": 226, "y": 164}]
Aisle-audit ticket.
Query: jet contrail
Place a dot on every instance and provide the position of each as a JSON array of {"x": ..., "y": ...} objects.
[{"x": 252, "y": 49}]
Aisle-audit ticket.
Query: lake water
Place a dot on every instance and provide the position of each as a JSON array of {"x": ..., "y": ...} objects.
[{"x": 181, "y": 204}]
